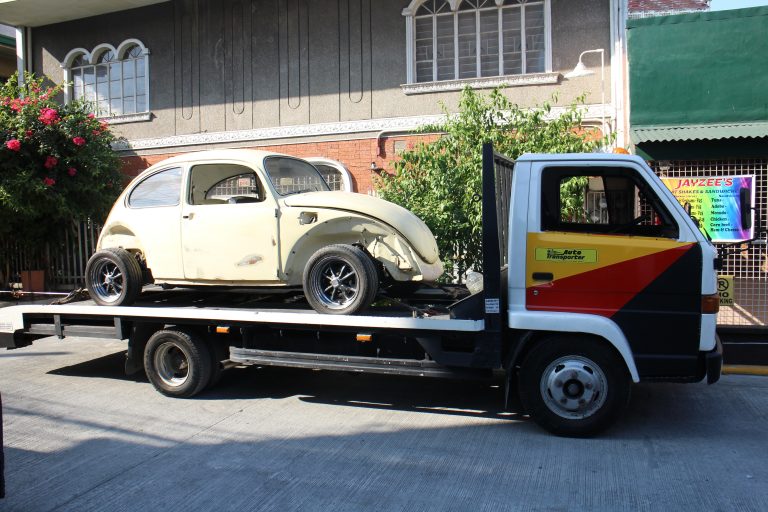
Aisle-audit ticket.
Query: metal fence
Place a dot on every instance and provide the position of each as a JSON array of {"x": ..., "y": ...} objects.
[
  {"x": 749, "y": 267},
  {"x": 63, "y": 261}
]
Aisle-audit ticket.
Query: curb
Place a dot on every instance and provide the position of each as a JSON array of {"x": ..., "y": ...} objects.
[{"x": 744, "y": 369}]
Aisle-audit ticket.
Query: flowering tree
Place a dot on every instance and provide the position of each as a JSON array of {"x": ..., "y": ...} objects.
[{"x": 56, "y": 163}]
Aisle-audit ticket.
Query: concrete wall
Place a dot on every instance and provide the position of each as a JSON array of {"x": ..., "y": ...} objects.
[{"x": 229, "y": 65}]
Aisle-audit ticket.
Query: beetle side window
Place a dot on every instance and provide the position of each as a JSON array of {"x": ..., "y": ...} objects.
[
  {"x": 603, "y": 200},
  {"x": 211, "y": 184},
  {"x": 160, "y": 189}
]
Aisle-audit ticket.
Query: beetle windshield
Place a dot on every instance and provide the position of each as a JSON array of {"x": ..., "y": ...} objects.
[{"x": 293, "y": 176}]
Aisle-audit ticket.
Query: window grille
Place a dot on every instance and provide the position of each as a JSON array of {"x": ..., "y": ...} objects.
[
  {"x": 749, "y": 268},
  {"x": 481, "y": 38}
]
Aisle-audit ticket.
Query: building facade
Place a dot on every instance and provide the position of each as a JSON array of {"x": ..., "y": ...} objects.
[{"x": 347, "y": 80}]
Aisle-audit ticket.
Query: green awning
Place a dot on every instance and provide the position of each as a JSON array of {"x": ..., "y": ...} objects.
[{"x": 711, "y": 131}]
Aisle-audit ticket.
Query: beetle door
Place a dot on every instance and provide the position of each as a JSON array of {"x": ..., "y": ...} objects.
[{"x": 229, "y": 226}]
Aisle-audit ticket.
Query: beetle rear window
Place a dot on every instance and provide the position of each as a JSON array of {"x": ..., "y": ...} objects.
[{"x": 160, "y": 189}]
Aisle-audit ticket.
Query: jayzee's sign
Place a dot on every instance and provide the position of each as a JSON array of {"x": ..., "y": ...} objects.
[{"x": 715, "y": 203}]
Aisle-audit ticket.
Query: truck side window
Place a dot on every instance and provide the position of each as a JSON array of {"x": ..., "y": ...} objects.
[{"x": 606, "y": 200}]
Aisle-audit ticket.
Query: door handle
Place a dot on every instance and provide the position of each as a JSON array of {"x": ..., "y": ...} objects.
[
  {"x": 189, "y": 216},
  {"x": 543, "y": 276}
]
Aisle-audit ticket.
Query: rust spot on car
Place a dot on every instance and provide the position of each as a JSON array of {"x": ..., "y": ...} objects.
[{"x": 251, "y": 259}]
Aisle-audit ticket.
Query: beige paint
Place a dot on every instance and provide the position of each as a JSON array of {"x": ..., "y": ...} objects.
[{"x": 267, "y": 242}]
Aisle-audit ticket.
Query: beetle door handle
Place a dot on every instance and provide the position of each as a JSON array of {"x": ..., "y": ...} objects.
[
  {"x": 543, "y": 276},
  {"x": 188, "y": 216}
]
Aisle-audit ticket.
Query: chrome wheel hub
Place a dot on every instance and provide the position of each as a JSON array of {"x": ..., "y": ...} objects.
[{"x": 573, "y": 387}]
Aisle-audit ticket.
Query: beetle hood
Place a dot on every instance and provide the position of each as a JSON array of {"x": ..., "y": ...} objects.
[{"x": 406, "y": 223}]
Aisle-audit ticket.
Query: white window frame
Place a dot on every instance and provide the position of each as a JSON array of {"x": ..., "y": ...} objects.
[
  {"x": 92, "y": 57},
  {"x": 456, "y": 84},
  {"x": 346, "y": 177}
]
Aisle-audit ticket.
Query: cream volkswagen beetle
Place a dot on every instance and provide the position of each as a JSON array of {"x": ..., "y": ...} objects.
[{"x": 245, "y": 218}]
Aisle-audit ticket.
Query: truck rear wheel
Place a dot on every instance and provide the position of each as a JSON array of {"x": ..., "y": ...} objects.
[
  {"x": 574, "y": 386},
  {"x": 113, "y": 277},
  {"x": 177, "y": 363},
  {"x": 340, "y": 280}
]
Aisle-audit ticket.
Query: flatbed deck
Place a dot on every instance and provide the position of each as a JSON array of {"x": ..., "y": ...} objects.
[{"x": 85, "y": 318}]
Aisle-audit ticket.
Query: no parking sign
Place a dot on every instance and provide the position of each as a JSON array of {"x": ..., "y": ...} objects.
[{"x": 725, "y": 290}]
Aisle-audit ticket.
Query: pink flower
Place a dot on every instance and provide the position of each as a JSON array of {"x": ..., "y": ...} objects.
[
  {"x": 72, "y": 171},
  {"x": 49, "y": 182},
  {"x": 28, "y": 133},
  {"x": 78, "y": 141},
  {"x": 48, "y": 116},
  {"x": 50, "y": 162},
  {"x": 96, "y": 132},
  {"x": 91, "y": 116},
  {"x": 13, "y": 145}
]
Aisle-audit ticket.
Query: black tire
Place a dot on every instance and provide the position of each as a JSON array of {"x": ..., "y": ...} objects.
[
  {"x": 113, "y": 277},
  {"x": 177, "y": 363},
  {"x": 574, "y": 386},
  {"x": 340, "y": 280}
]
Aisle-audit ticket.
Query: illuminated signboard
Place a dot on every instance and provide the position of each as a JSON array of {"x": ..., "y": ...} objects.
[{"x": 715, "y": 203}]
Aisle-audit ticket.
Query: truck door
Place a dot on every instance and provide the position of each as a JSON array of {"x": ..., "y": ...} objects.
[
  {"x": 608, "y": 246},
  {"x": 228, "y": 226}
]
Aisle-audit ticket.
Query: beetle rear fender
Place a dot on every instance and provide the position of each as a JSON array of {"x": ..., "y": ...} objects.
[{"x": 119, "y": 235}]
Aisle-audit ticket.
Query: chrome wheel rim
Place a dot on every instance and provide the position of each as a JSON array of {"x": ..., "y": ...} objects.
[
  {"x": 171, "y": 364},
  {"x": 573, "y": 387},
  {"x": 107, "y": 280},
  {"x": 335, "y": 283}
]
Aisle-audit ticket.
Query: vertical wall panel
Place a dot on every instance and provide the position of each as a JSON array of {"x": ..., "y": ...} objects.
[
  {"x": 294, "y": 62},
  {"x": 238, "y": 84},
  {"x": 355, "y": 59},
  {"x": 186, "y": 67},
  {"x": 324, "y": 61},
  {"x": 265, "y": 63},
  {"x": 212, "y": 81}
]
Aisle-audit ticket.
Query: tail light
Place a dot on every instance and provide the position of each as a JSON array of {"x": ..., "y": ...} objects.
[{"x": 710, "y": 304}]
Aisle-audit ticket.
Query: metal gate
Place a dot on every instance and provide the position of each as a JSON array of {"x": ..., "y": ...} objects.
[
  {"x": 64, "y": 261},
  {"x": 749, "y": 268}
]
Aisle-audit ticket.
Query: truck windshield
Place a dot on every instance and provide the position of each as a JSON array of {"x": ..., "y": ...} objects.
[{"x": 293, "y": 176}]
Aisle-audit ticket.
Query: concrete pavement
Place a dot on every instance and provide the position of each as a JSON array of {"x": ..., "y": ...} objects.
[{"x": 80, "y": 436}]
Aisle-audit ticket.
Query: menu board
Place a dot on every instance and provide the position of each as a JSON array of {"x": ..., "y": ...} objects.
[{"x": 715, "y": 203}]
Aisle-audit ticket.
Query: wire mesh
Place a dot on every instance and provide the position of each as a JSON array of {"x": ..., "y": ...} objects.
[{"x": 748, "y": 267}]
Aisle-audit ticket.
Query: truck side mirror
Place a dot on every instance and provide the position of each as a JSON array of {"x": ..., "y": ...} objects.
[{"x": 745, "y": 207}]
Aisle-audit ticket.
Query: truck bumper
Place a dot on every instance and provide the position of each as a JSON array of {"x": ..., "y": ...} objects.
[{"x": 714, "y": 361}]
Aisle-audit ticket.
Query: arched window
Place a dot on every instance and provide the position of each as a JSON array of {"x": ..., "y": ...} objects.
[
  {"x": 458, "y": 39},
  {"x": 115, "y": 82}
]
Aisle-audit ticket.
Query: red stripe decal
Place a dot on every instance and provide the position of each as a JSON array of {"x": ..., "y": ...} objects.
[{"x": 605, "y": 290}]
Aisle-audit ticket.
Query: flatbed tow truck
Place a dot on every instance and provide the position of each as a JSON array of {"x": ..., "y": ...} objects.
[{"x": 573, "y": 309}]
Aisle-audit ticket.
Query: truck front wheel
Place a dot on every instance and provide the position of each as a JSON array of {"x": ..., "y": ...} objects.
[
  {"x": 574, "y": 386},
  {"x": 177, "y": 363}
]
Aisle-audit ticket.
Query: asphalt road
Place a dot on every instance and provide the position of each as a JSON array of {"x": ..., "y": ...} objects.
[{"x": 80, "y": 436}]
